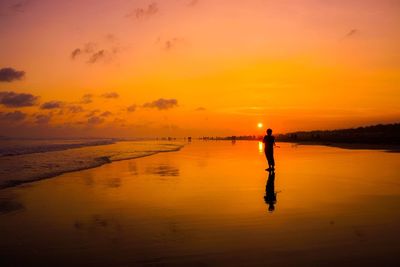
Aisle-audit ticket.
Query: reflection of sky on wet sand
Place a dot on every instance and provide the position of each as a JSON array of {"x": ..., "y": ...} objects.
[
  {"x": 206, "y": 205},
  {"x": 163, "y": 170},
  {"x": 9, "y": 203}
]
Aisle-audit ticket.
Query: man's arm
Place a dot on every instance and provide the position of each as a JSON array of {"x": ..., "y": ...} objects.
[{"x": 275, "y": 143}]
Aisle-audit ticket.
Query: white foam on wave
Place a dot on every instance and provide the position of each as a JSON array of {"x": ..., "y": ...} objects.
[
  {"x": 17, "y": 169},
  {"x": 13, "y": 147}
]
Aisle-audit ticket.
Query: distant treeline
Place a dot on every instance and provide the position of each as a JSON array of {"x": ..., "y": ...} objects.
[
  {"x": 378, "y": 134},
  {"x": 381, "y": 134},
  {"x": 233, "y": 137}
]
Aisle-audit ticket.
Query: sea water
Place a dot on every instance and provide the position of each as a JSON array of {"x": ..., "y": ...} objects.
[
  {"x": 30, "y": 160},
  {"x": 210, "y": 204}
]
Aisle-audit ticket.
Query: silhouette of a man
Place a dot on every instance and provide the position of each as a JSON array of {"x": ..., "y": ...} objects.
[{"x": 269, "y": 141}]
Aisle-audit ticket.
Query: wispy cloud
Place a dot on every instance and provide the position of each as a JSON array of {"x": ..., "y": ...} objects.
[
  {"x": 12, "y": 99},
  {"x": 43, "y": 118},
  {"x": 192, "y": 3},
  {"x": 87, "y": 99},
  {"x": 75, "y": 53},
  {"x": 20, "y": 6},
  {"x": 97, "y": 56},
  {"x": 75, "y": 109},
  {"x": 88, "y": 48},
  {"x": 110, "y": 95},
  {"x": 132, "y": 108},
  {"x": 170, "y": 43},
  {"x": 200, "y": 109},
  {"x": 351, "y": 33},
  {"x": 106, "y": 114},
  {"x": 10, "y": 75},
  {"x": 12, "y": 116},
  {"x": 162, "y": 104},
  {"x": 144, "y": 13},
  {"x": 111, "y": 38},
  {"x": 92, "y": 113},
  {"x": 52, "y": 105},
  {"x": 95, "y": 120},
  {"x": 93, "y": 52}
]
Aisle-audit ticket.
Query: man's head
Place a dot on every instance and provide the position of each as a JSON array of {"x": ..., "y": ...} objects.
[{"x": 269, "y": 131}]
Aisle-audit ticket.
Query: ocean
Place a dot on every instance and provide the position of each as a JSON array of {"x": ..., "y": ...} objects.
[
  {"x": 29, "y": 160},
  {"x": 209, "y": 204}
]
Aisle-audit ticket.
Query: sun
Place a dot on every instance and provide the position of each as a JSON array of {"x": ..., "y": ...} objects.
[{"x": 259, "y": 125}]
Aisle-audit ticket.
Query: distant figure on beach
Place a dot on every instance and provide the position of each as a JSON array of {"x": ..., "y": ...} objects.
[
  {"x": 269, "y": 143},
  {"x": 270, "y": 194}
]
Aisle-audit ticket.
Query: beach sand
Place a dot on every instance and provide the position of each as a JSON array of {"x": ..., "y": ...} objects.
[{"x": 205, "y": 205}]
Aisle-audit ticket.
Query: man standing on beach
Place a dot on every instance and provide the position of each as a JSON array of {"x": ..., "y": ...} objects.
[{"x": 269, "y": 143}]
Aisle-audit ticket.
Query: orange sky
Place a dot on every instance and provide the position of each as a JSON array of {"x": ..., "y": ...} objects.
[{"x": 187, "y": 67}]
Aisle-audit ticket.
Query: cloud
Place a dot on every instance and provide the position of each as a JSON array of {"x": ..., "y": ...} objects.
[
  {"x": 171, "y": 43},
  {"x": 88, "y": 48},
  {"x": 11, "y": 99},
  {"x": 193, "y": 2},
  {"x": 95, "y": 120},
  {"x": 143, "y": 13},
  {"x": 75, "y": 109},
  {"x": 352, "y": 33},
  {"x": 162, "y": 104},
  {"x": 52, "y": 105},
  {"x": 75, "y": 53},
  {"x": 43, "y": 118},
  {"x": 20, "y": 6},
  {"x": 110, "y": 95},
  {"x": 132, "y": 108},
  {"x": 106, "y": 114},
  {"x": 12, "y": 116},
  {"x": 94, "y": 53},
  {"x": 87, "y": 98},
  {"x": 111, "y": 37},
  {"x": 10, "y": 75},
  {"x": 200, "y": 109},
  {"x": 92, "y": 113},
  {"x": 97, "y": 56}
]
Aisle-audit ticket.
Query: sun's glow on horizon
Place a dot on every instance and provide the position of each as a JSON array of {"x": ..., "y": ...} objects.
[{"x": 260, "y": 125}]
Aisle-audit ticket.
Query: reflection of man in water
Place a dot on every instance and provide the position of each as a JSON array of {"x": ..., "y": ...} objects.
[
  {"x": 270, "y": 194},
  {"x": 269, "y": 141}
]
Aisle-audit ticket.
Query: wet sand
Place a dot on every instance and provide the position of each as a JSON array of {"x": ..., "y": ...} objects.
[
  {"x": 383, "y": 147},
  {"x": 206, "y": 205}
]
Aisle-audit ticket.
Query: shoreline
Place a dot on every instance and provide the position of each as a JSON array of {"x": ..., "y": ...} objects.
[{"x": 101, "y": 161}]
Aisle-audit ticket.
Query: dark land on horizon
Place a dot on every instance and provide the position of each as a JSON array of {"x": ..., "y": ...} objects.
[{"x": 381, "y": 136}]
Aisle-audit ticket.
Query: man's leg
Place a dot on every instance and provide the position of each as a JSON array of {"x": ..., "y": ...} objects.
[
  {"x": 268, "y": 161},
  {"x": 272, "y": 162}
]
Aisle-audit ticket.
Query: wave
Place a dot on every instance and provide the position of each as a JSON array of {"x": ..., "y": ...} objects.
[
  {"x": 29, "y": 167},
  {"x": 21, "y": 147}
]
